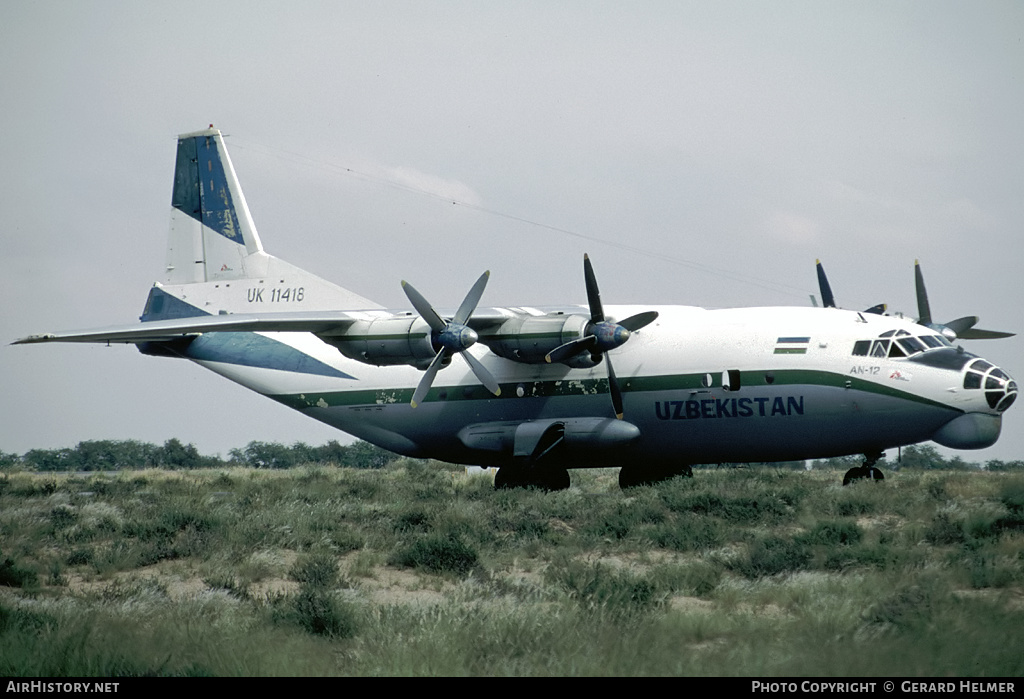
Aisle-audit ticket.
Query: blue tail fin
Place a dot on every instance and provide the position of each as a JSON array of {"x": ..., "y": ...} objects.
[{"x": 215, "y": 260}]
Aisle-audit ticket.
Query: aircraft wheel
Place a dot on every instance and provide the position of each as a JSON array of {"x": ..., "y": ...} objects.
[
  {"x": 556, "y": 479},
  {"x": 635, "y": 476},
  {"x": 508, "y": 477},
  {"x": 871, "y": 473},
  {"x": 854, "y": 474},
  {"x": 545, "y": 479}
]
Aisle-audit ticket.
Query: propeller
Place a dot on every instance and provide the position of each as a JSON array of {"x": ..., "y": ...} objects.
[
  {"x": 452, "y": 337},
  {"x": 601, "y": 335},
  {"x": 959, "y": 327},
  {"x": 829, "y": 301}
]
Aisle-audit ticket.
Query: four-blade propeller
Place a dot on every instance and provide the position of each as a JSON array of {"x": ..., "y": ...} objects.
[
  {"x": 829, "y": 301},
  {"x": 959, "y": 327},
  {"x": 601, "y": 335},
  {"x": 451, "y": 337}
]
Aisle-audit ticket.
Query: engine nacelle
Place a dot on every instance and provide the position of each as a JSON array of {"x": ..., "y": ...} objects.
[
  {"x": 528, "y": 339},
  {"x": 387, "y": 341},
  {"x": 582, "y": 436}
]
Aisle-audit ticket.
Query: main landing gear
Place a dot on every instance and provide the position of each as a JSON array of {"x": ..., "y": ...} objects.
[
  {"x": 530, "y": 468},
  {"x": 531, "y": 476},
  {"x": 866, "y": 471},
  {"x": 634, "y": 476}
]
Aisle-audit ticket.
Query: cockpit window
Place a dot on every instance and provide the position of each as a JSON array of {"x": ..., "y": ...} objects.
[
  {"x": 896, "y": 350},
  {"x": 911, "y": 345},
  {"x": 902, "y": 344}
]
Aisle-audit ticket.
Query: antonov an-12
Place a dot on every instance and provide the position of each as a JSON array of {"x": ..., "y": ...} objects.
[{"x": 533, "y": 391}]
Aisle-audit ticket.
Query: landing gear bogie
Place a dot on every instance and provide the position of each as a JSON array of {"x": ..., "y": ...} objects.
[
  {"x": 635, "y": 476},
  {"x": 546, "y": 479}
]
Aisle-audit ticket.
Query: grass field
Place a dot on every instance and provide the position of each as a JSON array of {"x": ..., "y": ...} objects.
[{"x": 421, "y": 570}]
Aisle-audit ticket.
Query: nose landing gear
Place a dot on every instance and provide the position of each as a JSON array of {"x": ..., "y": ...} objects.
[{"x": 866, "y": 471}]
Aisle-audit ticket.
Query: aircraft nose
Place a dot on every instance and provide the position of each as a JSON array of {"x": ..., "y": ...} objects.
[{"x": 999, "y": 387}]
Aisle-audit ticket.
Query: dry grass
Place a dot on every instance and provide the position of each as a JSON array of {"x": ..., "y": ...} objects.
[{"x": 418, "y": 569}]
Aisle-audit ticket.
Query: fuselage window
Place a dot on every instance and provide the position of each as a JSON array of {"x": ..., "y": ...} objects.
[
  {"x": 972, "y": 380},
  {"x": 861, "y": 347}
]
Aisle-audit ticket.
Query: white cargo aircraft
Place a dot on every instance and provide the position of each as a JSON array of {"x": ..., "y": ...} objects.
[{"x": 533, "y": 391}]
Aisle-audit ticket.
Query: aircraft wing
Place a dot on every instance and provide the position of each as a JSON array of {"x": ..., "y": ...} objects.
[{"x": 321, "y": 323}]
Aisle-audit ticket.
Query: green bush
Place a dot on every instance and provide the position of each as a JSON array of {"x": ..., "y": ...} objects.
[
  {"x": 772, "y": 555},
  {"x": 944, "y": 530},
  {"x": 836, "y": 533},
  {"x": 602, "y": 586},
  {"x": 14, "y": 575},
  {"x": 322, "y": 613},
  {"x": 439, "y": 554},
  {"x": 317, "y": 571},
  {"x": 689, "y": 532}
]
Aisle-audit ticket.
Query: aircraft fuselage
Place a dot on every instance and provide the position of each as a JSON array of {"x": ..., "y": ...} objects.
[{"x": 702, "y": 386}]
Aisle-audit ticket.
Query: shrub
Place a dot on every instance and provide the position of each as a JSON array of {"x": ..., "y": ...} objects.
[
  {"x": 13, "y": 575},
  {"x": 837, "y": 533},
  {"x": 943, "y": 530},
  {"x": 318, "y": 571},
  {"x": 904, "y": 608},
  {"x": 689, "y": 532},
  {"x": 603, "y": 586},
  {"x": 323, "y": 614},
  {"x": 439, "y": 554},
  {"x": 772, "y": 555},
  {"x": 740, "y": 510}
]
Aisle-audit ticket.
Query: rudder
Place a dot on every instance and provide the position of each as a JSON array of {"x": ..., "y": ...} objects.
[
  {"x": 215, "y": 259},
  {"x": 212, "y": 231}
]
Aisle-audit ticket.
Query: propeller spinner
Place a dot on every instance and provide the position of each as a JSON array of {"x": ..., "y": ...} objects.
[
  {"x": 451, "y": 337},
  {"x": 601, "y": 335},
  {"x": 959, "y": 327}
]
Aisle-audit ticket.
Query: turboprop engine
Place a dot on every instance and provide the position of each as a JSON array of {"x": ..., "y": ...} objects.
[
  {"x": 529, "y": 339},
  {"x": 387, "y": 341}
]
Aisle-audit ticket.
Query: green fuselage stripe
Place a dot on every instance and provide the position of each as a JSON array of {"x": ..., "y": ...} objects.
[{"x": 579, "y": 387}]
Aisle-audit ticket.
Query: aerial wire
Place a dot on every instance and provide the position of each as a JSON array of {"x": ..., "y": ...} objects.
[{"x": 299, "y": 158}]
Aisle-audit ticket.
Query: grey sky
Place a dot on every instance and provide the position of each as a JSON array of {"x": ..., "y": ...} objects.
[{"x": 702, "y": 153}]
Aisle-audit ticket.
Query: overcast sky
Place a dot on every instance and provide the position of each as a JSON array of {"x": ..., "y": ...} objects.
[{"x": 702, "y": 153}]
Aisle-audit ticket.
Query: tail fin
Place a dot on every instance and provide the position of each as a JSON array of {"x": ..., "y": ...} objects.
[
  {"x": 212, "y": 231},
  {"x": 215, "y": 259}
]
